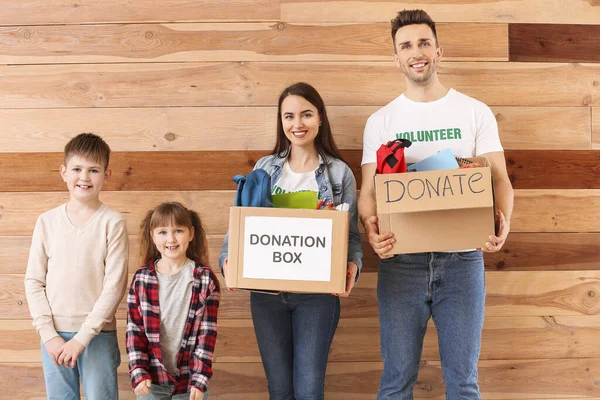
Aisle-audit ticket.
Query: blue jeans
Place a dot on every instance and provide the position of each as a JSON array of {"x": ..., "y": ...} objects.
[
  {"x": 450, "y": 287},
  {"x": 294, "y": 333},
  {"x": 164, "y": 392},
  {"x": 96, "y": 366}
]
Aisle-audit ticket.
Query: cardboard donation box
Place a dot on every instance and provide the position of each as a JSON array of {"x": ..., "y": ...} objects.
[
  {"x": 292, "y": 250},
  {"x": 437, "y": 210}
]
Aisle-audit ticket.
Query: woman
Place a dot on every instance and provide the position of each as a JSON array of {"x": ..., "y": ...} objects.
[{"x": 294, "y": 331}]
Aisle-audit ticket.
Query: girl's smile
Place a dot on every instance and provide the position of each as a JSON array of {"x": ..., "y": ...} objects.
[{"x": 172, "y": 242}]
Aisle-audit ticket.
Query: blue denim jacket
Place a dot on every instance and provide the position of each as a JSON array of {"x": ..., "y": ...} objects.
[{"x": 335, "y": 181}]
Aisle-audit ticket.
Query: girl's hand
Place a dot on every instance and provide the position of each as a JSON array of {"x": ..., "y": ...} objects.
[
  {"x": 143, "y": 388},
  {"x": 196, "y": 394},
  {"x": 350, "y": 278}
]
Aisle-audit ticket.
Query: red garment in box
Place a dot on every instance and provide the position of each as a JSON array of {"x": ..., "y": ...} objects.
[{"x": 390, "y": 156}]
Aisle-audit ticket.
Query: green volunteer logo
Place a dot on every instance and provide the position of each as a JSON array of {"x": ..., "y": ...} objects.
[
  {"x": 278, "y": 190},
  {"x": 434, "y": 135}
]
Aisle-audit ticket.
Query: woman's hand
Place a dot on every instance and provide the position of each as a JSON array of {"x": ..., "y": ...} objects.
[
  {"x": 225, "y": 265},
  {"x": 350, "y": 279}
]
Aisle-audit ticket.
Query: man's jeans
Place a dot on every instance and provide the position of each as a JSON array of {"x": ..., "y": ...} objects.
[
  {"x": 96, "y": 366},
  {"x": 450, "y": 287},
  {"x": 294, "y": 333}
]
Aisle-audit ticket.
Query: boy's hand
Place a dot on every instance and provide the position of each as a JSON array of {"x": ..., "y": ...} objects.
[
  {"x": 69, "y": 353},
  {"x": 143, "y": 388},
  {"x": 380, "y": 243},
  {"x": 52, "y": 346},
  {"x": 196, "y": 394}
]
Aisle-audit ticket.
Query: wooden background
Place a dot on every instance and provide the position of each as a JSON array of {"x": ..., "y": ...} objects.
[{"x": 185, "y": 94}]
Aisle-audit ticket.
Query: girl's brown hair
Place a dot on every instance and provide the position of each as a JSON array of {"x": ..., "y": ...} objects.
[{"x": 173, "y": 213}]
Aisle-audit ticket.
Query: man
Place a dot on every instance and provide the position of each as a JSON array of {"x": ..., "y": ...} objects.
[{"x": 448, "y": 286}]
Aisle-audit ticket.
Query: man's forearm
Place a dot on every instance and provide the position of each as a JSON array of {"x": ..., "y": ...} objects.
[
  {"x": 504, "y": 195},
  {"x": 367, "y": 207}
]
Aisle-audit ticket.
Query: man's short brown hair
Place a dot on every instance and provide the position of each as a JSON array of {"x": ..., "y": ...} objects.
[
  {"x": 412, "y": 17},
  {"x": 90, "y": 146}
]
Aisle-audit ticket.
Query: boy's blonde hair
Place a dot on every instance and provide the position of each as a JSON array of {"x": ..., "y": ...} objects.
[{"x": 90, "y": 146}]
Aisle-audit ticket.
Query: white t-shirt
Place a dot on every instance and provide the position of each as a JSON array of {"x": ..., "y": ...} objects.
[
  {"x": 456, "y": 121},
  {"x": 290, "y": 181}
]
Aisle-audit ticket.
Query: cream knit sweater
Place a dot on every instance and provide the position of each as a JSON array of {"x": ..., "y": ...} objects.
[{"x": 76, "y": 276}]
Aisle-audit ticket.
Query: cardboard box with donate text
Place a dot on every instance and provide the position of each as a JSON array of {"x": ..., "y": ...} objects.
[
  {"x": 292, "y": 250},
  {"x": 437, "y": 210}
]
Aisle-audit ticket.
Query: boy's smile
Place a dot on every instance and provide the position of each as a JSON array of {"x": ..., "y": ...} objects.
[{"x": 84, "y": 178}]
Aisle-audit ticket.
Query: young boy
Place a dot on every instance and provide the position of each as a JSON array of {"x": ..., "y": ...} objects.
[{"x": 76, "y": 277}]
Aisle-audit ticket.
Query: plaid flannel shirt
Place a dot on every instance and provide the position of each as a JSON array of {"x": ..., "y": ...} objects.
[{"x": 194, "y": 359}]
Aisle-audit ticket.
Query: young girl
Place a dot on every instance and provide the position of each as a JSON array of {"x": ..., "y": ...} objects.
[
  {"x": 172, "y": 308},
  {"x": 294, "y": 331}
]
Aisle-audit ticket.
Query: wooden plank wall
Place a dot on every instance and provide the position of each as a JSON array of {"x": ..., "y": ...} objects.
[{"x": 185, "y": 93}]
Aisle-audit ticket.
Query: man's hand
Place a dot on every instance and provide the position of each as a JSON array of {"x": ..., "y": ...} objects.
[
  {"x": 380, "y": 243},
  {"x": 69, "y": 353},
  {"x": 143, "y": 388},
  {"x": 53, "y": 346},
  {"x": 496, "y": 242}
]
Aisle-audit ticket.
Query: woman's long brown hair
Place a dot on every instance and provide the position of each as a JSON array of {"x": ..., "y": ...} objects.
[{"x": 324, "y": 142}]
